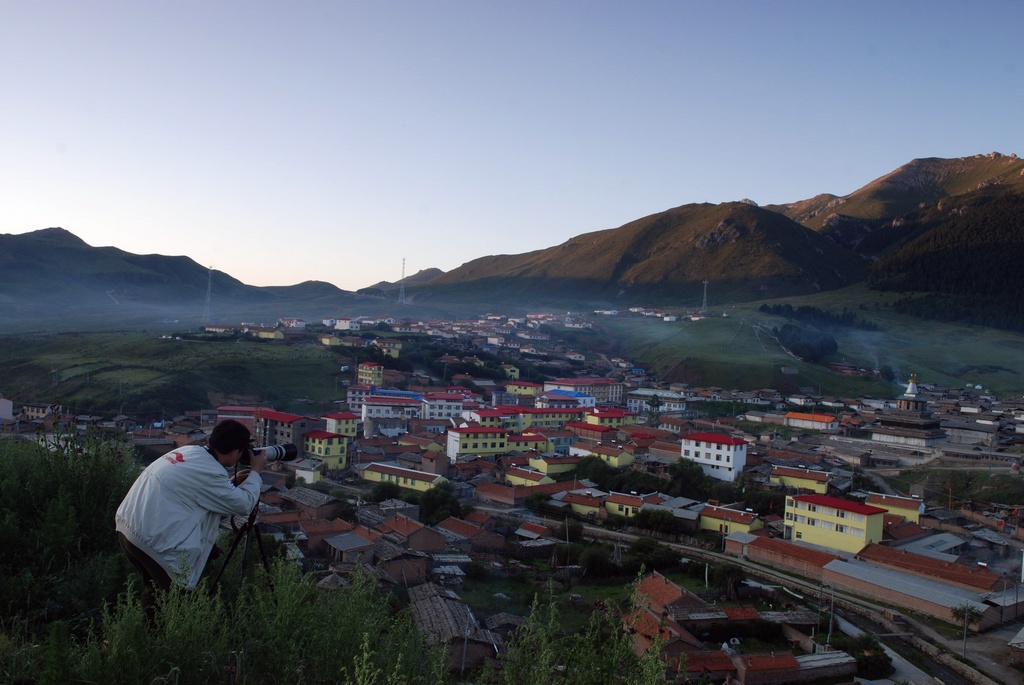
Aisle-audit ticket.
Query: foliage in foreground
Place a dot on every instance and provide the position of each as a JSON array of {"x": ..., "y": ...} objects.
[
  {"x": 60, "y": 556},
  {"x": 294, "y": 633}
]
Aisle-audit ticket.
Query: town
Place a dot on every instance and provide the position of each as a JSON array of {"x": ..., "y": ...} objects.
[{"x": 786, "y": 485}]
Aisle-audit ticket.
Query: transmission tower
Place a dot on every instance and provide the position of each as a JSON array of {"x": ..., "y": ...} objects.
[
  {"x": 209, "y": 287},
  {"x": 704, "y": 306},
  {"x": 401, "y": 285}
]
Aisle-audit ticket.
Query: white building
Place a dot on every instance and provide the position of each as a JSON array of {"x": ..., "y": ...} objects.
[
  {"x": 347, "y": 325},
  {"x": 441, "y": 405},
  {"x": 721, "y": 456},
  {"x": 639, "y": 400}
]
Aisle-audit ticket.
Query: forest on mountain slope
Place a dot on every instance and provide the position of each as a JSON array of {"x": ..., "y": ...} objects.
[{"x": 966, "y": 268}]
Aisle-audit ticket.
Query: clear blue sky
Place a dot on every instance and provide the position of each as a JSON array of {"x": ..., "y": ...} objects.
[{"x": 327, "y": 140}]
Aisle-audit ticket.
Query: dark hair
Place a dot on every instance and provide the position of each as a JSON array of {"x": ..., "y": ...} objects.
[{"x": 229, "y": 435}]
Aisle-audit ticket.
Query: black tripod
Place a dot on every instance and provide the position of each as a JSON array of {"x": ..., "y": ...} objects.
[{"x": 247, "y": 531}]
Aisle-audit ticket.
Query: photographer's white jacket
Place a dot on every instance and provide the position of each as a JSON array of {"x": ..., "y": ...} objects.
[{"x": 173, "y": 510}]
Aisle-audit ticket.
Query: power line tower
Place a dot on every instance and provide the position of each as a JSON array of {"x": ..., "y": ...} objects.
[
  {"x": 401, "y": 285},
  {"x": 209, "y": 288},
  {"x": 704, "y": 305}
]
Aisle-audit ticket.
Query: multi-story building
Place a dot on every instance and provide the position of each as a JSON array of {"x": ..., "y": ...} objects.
[
  {"x": 345, "y": 423},
  {"x": 272, "y": 427},
  {"x": 604, "y": 390},
  {"x": 721, "y": 456},
  {"x": 640, "y": 400},
  {"x": 388, "y": 407},
  {"x": 330, "y": 448},
  {"x": 476, "y": 440},
  {"x": 370, "y": 373},
  {"x": 833, "y": 522},
  {"x": 441, "y": 405}
]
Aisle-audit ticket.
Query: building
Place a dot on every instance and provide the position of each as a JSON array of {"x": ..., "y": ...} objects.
[
  {"x": 604, "y": 390},
  {"x": 404, "y": 478},
  {"x": 911, "y": 423},
  {"x": 370, "y": 373},
  {"x": 910, "y": 508},
  {"x": 441, "y": 405},
  {"x": 476, "y": 440},
  {"x": 727, "y": 521},
  {"x": 668, "y": 402},
  {"x": 345, "y": 423},
  {"x": 330, "y": 448},
  {"x": 272, "y": 427},
  {"x": 721, "y": 456},
  {"x": 832, "y": 522},
  {"x": 802, "y": 480},
  {"x": 819, "y": 422}
]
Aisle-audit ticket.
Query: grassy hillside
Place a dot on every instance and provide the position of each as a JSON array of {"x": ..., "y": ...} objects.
[
  {"x": 738, "y": 351},
  {"x": 749, "y": 252}
]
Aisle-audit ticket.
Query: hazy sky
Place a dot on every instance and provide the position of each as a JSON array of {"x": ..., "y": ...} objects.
[{"x": 288, "y": 141}]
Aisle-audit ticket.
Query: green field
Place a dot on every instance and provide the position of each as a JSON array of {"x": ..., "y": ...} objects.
[{"x": 155, "y": 377}]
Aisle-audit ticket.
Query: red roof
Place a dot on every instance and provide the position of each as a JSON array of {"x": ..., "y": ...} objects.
[
  {"x": 718, "y": 438},
  {"x": 730, "y": 515},
  {"x": 745, "y": 613},
  {"x": 841, "y": 504},
  {"x": 795, "y": 552},
  {"x": 323, "y": 435},
  {"x": 819, "y": 418},
  {"x": 274, "y": 415},
  {"x": 460, "y": 527},
  {"x": 660, "y": 590}
]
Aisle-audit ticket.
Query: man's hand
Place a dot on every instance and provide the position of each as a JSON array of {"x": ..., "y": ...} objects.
[
  {"x": 239, "y": 477},
  {"x": 258, "y": 462}
]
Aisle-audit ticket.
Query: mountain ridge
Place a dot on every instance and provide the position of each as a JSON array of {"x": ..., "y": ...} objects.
[{"x": 748, "y": 252}]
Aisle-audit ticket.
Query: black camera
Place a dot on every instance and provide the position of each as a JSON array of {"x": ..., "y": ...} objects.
[{"x": 286, "y": 452}]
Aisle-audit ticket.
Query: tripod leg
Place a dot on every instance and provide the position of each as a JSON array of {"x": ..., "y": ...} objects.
[{"x": 263, "y": 556}]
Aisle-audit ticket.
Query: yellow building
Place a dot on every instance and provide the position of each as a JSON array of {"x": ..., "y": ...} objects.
[
  {"x": 907, "y": 507},
  {"x": 370, "y": 373},
  {"x": 832, "y": 522},
  {"x": 330, "y": 448},
  {"x": 621, "y": 504},
  {"x": 345, "y": 423},
  {"x": 800, "y": 479},
  {"x": 608, "y": 416},
  {"x": 390, "y": 346},
  {"x": 523, "y": 388},
  {"x": 265, "y": 333},
  {"x": 554, "y": 464},
  {"x": 405, "y": 478},
  {"x": 330, "y": 340},
  {"x": 480, "y": 440},
  {"x": 728, "y": 521},
  {"x": 518, "y": 476},
  {"x": 510, "y": 371},
  {"x": 585, "y": 504},
  {"x": 526, "y": 443},
  {"x": 613, "y": 456}
]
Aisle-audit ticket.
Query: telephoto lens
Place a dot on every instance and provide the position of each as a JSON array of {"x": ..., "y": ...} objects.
[
  {"x": 286, "y": 452},
  {"x": 273, "y": 453}
]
